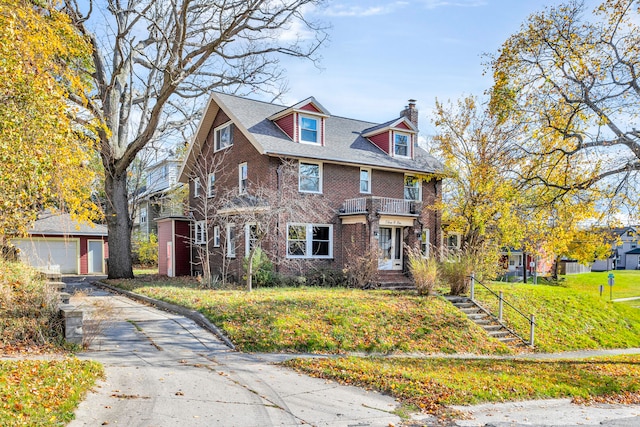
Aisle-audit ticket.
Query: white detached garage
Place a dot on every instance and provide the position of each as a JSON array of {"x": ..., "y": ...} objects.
[{"x": 57, "y": 240}]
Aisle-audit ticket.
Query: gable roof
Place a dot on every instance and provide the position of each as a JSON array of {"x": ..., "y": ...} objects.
[
  {"x": 61, "y": 224},
  {"x": 344, "y": 142},
  {"x": 635, "y": 251}
]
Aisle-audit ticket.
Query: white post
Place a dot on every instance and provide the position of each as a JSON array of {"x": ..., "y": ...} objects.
[
  {"x": 533, "y": 329},
  {"x": 500, "y": 307},
  {"x": 473, "y": 283}
]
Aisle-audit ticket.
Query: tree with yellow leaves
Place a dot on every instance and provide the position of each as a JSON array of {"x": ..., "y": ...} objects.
[
  {"x": 43, "y": 158},
  {"x": 481, "y": 200},
  {"x": 573, "y": 78}
]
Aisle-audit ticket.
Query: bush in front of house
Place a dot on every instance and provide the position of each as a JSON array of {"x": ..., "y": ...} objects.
[
  {"x": 326, "y": 277},
  {"x": 425, "y": 271},
  {"x": 263, "y": 274}
]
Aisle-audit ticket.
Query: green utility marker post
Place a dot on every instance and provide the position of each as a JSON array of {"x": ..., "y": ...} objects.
[{"x": 611, "y": 279}]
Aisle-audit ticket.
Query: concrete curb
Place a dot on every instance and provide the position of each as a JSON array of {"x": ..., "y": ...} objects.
[{"x": 172, "y": 308}]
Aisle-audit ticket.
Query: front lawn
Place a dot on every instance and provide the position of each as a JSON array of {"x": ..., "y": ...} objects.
[
  {"x": 328, "y": 320},
  {"x": 430, "y": 384},
  {"x": 44, "y": 393}
]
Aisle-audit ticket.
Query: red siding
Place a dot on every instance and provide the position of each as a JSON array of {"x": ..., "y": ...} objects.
[
  {"x": 382, "y": 141},
  {"x": 182, "y": 263},
  {"x": 286, "y": 124},
  {"x": 403, "y": 125},
  {"x": 176, "y": 231},
  {"x": 310, "y": 107}
]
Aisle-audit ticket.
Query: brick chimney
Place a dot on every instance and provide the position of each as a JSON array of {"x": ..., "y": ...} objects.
[{"x": 411, "y": 112}]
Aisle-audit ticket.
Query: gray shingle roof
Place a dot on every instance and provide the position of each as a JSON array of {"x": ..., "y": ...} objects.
[
  {"x": 343, "y": 140},
  {"x": 61, "y": 224}
]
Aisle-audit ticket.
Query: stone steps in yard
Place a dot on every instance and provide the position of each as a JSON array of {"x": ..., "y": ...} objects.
[{"x": 491, "y": 326}]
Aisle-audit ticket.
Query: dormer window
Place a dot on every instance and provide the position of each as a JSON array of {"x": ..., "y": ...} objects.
[
  {"x": 309, "y": 129},
  {"x": 402, "y": 144}
]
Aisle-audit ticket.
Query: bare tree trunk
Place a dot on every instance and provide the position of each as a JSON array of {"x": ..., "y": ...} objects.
[{"x": 119, "y": 226}]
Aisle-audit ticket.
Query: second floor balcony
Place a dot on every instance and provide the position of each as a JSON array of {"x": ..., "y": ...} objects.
[{"x": 380, "y": 205}]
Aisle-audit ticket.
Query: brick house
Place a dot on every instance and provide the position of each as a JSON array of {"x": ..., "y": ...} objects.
[{"x": 376, "y": 185}]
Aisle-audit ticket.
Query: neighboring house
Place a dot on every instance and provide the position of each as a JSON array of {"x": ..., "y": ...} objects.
[
  {"x": 376, "y": 181},
  {"x": 515, "y": 260},
  {"x": 56, "y": 241},
  {"x": 632, "y": 259},
  {"x": 154, "y": 201},
  {"x": 624, "y": 242}
]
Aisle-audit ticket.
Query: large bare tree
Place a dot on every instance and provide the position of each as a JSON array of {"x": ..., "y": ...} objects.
[{"x": 153, "y": 60}]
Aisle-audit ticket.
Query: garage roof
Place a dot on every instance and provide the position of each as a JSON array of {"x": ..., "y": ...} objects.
[{"x": 61, "y": 224}]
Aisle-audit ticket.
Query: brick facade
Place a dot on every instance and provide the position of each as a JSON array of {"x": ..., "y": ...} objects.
[{"x": 354, "y": 233}]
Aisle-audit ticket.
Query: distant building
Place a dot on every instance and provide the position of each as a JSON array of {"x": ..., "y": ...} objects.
[
  {"x": 153, "y": 200},
  {"x": 624, "y": 251}
]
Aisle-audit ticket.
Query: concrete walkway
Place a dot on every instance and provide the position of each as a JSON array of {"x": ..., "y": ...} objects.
[{"x": 162, "y": 369}]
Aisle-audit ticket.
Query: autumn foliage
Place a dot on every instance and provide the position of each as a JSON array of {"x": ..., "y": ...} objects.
[{"x": 43, "y": 159}]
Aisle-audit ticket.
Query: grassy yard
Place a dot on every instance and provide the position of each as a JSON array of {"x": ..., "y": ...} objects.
[
  {"x": 325, "y": 320},
  {"x": 430, "y": 384},
  {"x": 43, "y": 393},
  {"x": 573, "y": 316},
  {"x": 626, "y": 284}
]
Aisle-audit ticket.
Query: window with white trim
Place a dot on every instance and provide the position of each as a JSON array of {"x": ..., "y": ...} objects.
[
  {"x": 309, "y": 241},
  {"x": 216, "y": 236},
  {"x": 309, "y": 129},
  {"x": 223, "y": 136},
  {"x": 231, "y": 240},
  {"x": 412, "y": 188},
  {"x": 402, "y": 144},
  {"x": 365, "y": 180},
  {"x": 310, "y": 177},
  {"x": 143, "y": 215},
  {"x": 200, "y": 233},
  {"x": 196, "y": 187},
  {"x": 424, "y": 243},
  {"x": 250, "y": 238},
  {"x": 210, "y": 184},
  {"x": 242, "y": 178}
]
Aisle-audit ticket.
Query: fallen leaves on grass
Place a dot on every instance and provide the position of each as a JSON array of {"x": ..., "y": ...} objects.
[
  {"x": 431, "y": 384},
  {"x": 43, "y": 392}
]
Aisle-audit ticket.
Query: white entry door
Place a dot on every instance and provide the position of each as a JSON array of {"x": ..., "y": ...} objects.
[
  {"x": 390, "y": 245},
  {"x": 95, "y": 256}
]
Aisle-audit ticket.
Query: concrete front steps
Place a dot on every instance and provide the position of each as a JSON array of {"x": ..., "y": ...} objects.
[
  {"x": 394, "y": 280},
  {"x": 486, "y": 321}
]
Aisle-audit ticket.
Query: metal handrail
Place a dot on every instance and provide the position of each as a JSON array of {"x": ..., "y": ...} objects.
[{"x": 501, "y": 301}]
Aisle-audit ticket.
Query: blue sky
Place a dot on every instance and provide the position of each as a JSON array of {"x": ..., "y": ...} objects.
[{"x": 384, "y": 52}]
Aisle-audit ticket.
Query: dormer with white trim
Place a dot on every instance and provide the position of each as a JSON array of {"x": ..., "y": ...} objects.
[
  {"x": 304, "y": 122},
  {"x": 397, "y": 138}
]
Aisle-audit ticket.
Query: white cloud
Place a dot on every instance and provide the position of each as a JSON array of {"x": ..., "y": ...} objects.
[
  {"x": 433, "y": 4},
  {"x": 346, "y": 10}
]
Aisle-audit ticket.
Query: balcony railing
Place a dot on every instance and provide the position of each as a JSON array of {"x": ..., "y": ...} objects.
[{"x": 383, "y": 205}]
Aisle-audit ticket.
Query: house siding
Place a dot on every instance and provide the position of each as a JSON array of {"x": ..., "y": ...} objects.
[
  {"x": 382, "y": 141},
  {"x": 287, "y": 125},
  {"x": 310, "y": 107}
]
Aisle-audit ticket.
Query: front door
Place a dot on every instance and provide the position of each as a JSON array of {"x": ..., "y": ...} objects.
[{"x": 390, "y": 245}]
